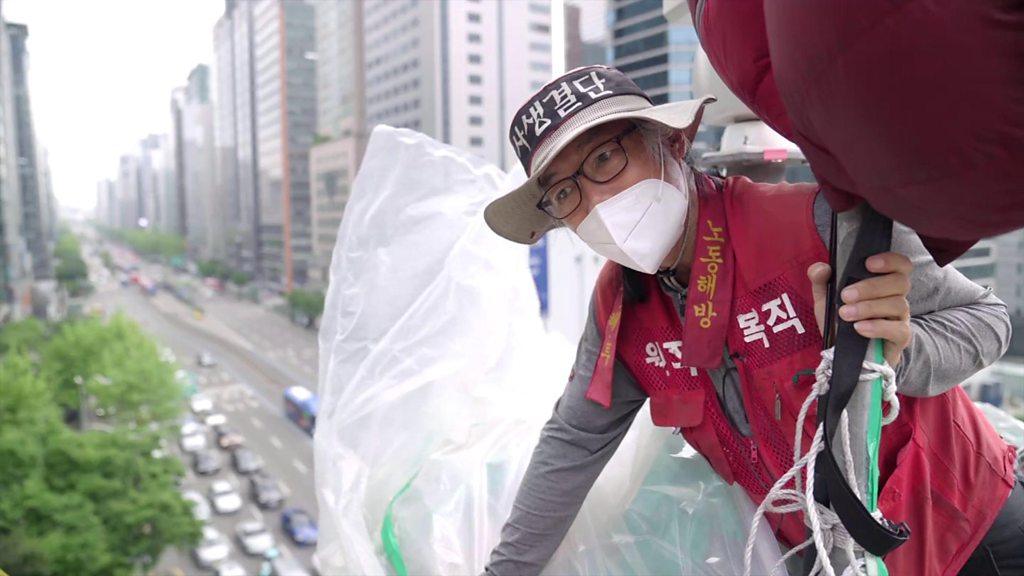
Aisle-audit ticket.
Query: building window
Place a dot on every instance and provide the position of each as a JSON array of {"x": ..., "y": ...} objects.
[
  {"x": 476, "y": 141},
  {"x": 475, "y": 59},
  {"x": 538, "y": 27},
  {"x": 540, "y": 67},
  {"x": 476, "y": 100},
  {"x": 476, "y": 121},
  {"x": 473, "y": 38},
  {"x": 540, "y": 8},
  {"x": 475, "y": 79},
  {"x": 540, "y": 47},
  {"x": 473, "y": 17}
]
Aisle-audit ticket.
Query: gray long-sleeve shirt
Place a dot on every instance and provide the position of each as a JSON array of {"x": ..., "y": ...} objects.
[{"x": 958, "y": 327}]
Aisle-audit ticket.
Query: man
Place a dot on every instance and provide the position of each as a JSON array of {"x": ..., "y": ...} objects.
[{"x": 706, "y": 309}]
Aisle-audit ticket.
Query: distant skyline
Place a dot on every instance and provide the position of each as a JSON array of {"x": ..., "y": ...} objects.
[{"x": 100, "y": 78}]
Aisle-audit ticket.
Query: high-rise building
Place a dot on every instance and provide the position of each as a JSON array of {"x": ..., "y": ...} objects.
[
  {"x": 158, "y": 185},
  {"x": 15, "y": 260},
  {"x": 655, "y": 54},
  {"x": 33, "y": 207},
  {"x": 979, "y": 263},
  {"x": 204, "y": 202},
  {"x": 456, "y": 70},
  {"x": 106, "y": 203},
  {"x": 235, "y": 133},
  {"x": 340, "y": 127},
  {"x": 586, "y": 38},
  {"x": 128, "y": 193},
  {"x": 1010, "y": 271},
  {"x": 285, "y": 102}
]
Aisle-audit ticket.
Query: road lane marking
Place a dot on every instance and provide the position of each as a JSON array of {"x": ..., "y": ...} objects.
[
  {"x": 300, "y": 467},
  {"x": 275, "y": 442},
  {"x": 256, "y": 513},
  {"x": 255, "y": 422}
]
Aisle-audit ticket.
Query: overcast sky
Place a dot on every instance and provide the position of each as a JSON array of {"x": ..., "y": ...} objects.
[{"x": 101, "y": 74}]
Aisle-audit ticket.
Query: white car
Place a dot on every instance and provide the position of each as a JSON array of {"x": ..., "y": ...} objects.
[
  {"x": 200, "y": 507},
  {"x": 213, "y": 548},
  {"x": 193, "y": 437},
  {"x": 230, "y": 568},
  {"x": 254, "y": 537},
  {"x": 217, "y": 419},
  {"x": 205, "y": 360},
  {"x": 224, "y": 497},
  {"x": 200, "y": 404},
  {"x": 191, "y": 427}
]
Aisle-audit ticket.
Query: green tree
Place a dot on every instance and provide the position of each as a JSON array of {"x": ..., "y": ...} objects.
[
  {"x": 92, "y": 503},
  {"x": 116, "y": 365},
  {"x": 24, "y": 336},
  {"x": 308, "y": 303},
  {"x": 239, "y": 278},
  {"x": 72, "y": 271}
]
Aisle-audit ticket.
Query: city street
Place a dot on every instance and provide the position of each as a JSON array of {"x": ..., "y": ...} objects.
[{"x": 246, "y": 385}]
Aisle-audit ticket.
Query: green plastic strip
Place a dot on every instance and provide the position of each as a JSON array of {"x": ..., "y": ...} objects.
[
  {"x": 873, "y": 441},
  {"x": 392, "y": 550}
]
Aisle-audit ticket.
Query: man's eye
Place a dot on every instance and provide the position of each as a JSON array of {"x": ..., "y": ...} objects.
[
  {"x": 562, "y": 194},
  {"x": 602, "y": 157}
]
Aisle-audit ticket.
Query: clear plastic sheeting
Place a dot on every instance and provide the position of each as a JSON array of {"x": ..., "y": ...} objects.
[
  {"x": 653, "y": 511},
  {"x": 1011, "y": 429},
  {"x": 436, "y": 376}
]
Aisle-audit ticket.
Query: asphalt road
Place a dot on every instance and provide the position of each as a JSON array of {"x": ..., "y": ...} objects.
[{"x": 247, "y": 387}]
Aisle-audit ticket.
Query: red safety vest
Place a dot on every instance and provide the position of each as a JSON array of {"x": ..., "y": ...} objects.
[{"x": 943, "y": 468}]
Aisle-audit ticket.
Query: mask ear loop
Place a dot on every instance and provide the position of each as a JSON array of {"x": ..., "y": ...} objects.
[{"x": 668, "y": 275}]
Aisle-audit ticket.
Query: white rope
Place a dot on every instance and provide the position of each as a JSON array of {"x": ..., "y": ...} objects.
[{"x": 827, "y": 532}]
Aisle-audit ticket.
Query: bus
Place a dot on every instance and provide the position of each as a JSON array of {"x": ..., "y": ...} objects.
[{"x": 300, "y": 405}]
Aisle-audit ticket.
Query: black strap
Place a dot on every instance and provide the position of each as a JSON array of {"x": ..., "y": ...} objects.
[{"x": 830, "y": 487}]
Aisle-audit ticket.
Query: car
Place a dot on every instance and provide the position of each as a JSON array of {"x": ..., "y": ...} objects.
[
  {"x": 231, "y": 567},
  {"x": 216, "y": 419},
  {"x": 265, "y": 491},
  {"x": 205, "y": 360},
  {"x": 229, "y": 440},
  {"x": 212, "y": 549},
  {"x": 193, "y": 437},
  {"x": 200, "y": 507},
  {"x": 206, "y": 462},
  {"x": 191, "y": 427},
  {"x": 280, "y": 563},
  {"x": 200, "y": 404},
  {"x": 224, "y": 497},
  {"x": 246, "y": 461},
  {"x": 299, "y": 526},
  {"x": 254, "y": 537}
]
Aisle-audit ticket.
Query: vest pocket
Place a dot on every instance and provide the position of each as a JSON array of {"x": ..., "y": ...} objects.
[
  {"x": 682, "y": 409},
  {"x": 937, "y": 526}
]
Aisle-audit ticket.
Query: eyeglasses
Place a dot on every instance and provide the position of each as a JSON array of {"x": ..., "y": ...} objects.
[{"x": 601, "y": 165}]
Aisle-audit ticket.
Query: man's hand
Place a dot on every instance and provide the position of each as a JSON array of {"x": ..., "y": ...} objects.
[{"x": 877, "y": 306}]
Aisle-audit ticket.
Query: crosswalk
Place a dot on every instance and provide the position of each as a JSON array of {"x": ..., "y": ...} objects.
[{"x": 233, "y": 397}]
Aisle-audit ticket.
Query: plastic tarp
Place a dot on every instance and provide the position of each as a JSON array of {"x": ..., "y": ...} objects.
[{"x": 436, "y": 376}]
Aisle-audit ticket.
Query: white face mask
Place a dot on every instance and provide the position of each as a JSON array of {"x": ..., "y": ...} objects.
[{"x": 639, "y": 226}]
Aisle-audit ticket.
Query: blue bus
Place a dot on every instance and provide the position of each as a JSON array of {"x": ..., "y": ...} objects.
[{"x": 300, "y": 405}]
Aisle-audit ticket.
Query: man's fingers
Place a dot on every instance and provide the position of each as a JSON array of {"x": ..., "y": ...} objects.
[
  {"x": 892, "y": 308},
  {"x": 819, "y": 273},
  {"x": 895, "y": 284},
  {"x": 887, "y": 262},
  {"x": 895, "y": 331}
]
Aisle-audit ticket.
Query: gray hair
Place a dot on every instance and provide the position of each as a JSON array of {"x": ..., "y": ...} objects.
[{"x": 656, "y": 136}]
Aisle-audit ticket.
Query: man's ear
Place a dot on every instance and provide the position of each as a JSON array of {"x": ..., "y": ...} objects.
[{"x": 678, "y": 145}]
